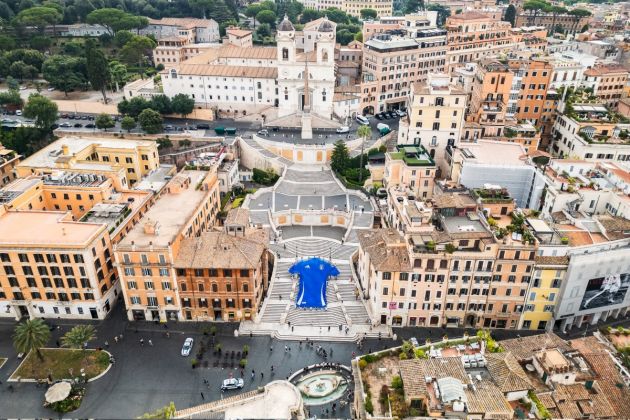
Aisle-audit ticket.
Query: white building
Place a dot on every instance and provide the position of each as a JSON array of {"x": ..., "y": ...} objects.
[
  {"x": 83, "y": 29},
  {"x": 196, "y": 30},
  {"x": 267, "y": 80}
]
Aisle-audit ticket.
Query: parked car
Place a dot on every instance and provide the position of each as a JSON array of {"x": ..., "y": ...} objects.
[
  {"x": 263, "y": 132},
  {"x": 203, "y": 126},
  {"x": 392, "y": 114},
  {"x": 89, "y": 125},
  {"x": 362, "y": 120},
  {"x": 168, "y": 128},
  {"x": 187, "y": 347},
  {"x": 232, "y": 383},
  {"x": 343, "y": 130},
  {"x": 386, "y": 115},
  {"x": 65, "y": 125},
  {"x": 401, "y": 113},
  {"x": 78, "y": 125},
  {"x": 85, "y": 117},
  {"x": 50, "y": 89},
  {"x": 18, "y": 113}
]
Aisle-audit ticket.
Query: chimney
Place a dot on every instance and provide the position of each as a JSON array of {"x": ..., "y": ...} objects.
[
  {"x": 65, "y": 149},
  {"x": 151, "y": 227}
]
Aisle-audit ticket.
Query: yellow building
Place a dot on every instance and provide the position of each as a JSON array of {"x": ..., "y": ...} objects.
[
  {"x": 53, "y": 266},
  {"x": 124, "y": 161},
  {"x": 8, "y": 160},
  {"x": 543, "y": 292},
  {"x": 354, "y": 7},
  {"x": 187, "y": 206}
]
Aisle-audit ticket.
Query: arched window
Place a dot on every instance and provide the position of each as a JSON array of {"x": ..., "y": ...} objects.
[
  {"x": 285, "y": 54},
  {"x": 173, "y": 73},
  {"x": 325, "y": 56},
  {"x": 324, "y": 95},
  {"x": 245, "y": 287},
  {"x": 215, "y": 287}
]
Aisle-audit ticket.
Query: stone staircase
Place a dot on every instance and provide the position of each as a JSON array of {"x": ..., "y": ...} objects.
[
  {"x": 331, "y": 316},
  {"x": 273, "y": 312}
]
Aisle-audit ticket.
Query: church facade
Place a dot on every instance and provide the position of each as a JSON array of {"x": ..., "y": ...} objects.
[{"x": 239, "y": 81}]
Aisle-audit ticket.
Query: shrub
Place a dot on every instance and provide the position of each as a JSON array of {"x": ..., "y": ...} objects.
[
  {"x": 384, "y": 395},
  {"x": 420, "y": 354},
  {"x": 403, "y": 356},
  {"x": 243, "y": 363},
  {"x": 369, "y": 407},
  {"x": 245, "y": 349},
  {"x": 362, "y": 364},
  {"x": 397, "y": 382}
]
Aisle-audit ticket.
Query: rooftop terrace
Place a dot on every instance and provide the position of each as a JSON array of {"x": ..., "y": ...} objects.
[{"x": 412, "y": 155}]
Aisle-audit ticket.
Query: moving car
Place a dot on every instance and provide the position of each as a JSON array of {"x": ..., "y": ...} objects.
[
  {"x": 232, "y": 383},
  {"x": 263, "y": 132},
  {"x": 362, "y": 120},
  {"x": 187, "y": 347},
  {"x": 401, "y": 113},
  {"x": 342, "y": 130}
]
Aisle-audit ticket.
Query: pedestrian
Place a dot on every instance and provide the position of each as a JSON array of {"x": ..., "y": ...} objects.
[
  {"x": 271, "y": 368},
  {"x": 121, "y": 337},
  {"x": 279, "y": 297},
  {"x": 253, "y": 374},
  {"x": 168, "y": 334},
  {"x": 106, "y": 344},
  {"x": 142, "y": 341},
  {"x": 292, "y": 329},
  {"x": 262, "y": 376},
  {"x": 150, "y": 343},
  {"x": 353, "y": 355},
  {"x": 202, "y": 397},
  {"x": 242, "y": 373},
  {"x": 329, "y": 328},
  {"x": 286, "y": 348},
  {"x": 270, "y": 349},
  {"x": 331, "y": 352},
  {"x": 116, "y": 339}
]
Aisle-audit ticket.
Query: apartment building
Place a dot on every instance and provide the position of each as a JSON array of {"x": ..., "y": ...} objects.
[
  {"x": 196, "y": 31},
  {"x": 8, "y": 160},
  {"x": 474, "y": 35},
  {"x": 188, "y": 205},
  {"x": 544, "y": 292},
  {"x": 410, "y": 167},
  {"x": 607, "y": 81},
  {"x": 222, "y": 276},
  {"x": 569, "y": 23},
  {"x": 171, "y": 51},
  {"x": 54, "y": 267},
  {"x": 239, "y": 37},
  {"x": 588, "y": 132},
  {"x": 124, "y": 161},
  {"x": 352, "y": 7},
  {"x": 395, "y": 59},
  {"x": 435, "y": 117},
  {"x": 487, "y": 111},
  {"x": 534, "y": 76}
]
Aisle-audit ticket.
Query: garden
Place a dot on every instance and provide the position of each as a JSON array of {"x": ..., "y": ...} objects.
[
  {"x": 210, "y": 353},
  {"x": 62, "y": 364}
]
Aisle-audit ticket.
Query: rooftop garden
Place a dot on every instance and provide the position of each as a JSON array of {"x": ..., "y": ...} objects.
[
  {"x": 413, "y": 155},
  {"x": 492, "y": 195},
  {"x": 585, "y": 96},
  {"x": 517, "y": 225}
]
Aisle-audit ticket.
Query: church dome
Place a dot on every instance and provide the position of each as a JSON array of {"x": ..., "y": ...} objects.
[
  {"x": 326, "y": 26},
  {"x": 286, "y": 25}
]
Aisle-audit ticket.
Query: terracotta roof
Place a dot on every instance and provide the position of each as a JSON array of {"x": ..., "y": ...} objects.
[
  {"x": 453, "y": 200},
  {"x": 412, "y": 376},
  {"x": 314, "y": 24},
  {"x": 237, "y": 216},
  {"x": 523, "y": 348},
  {"x": 310, "y": 56},
  {"x": 507, "y": 373},
  {"x": 232, "y": 51},
  {"x": 444, "y": 367},
  {"x": 549, "y": 260},
  {"x": 488, "y": 400},
  {"x": 237, "y": 32},
  {"x": 228, "y": 71},
  {"x": 181, "y": 22},
  {"x": 469, "y": 16},
  {"x": 615, "y": 226},
  {"x": 605, "y": 70},
  {"x": 219, "y": 250},
  {"x": 386, "y": 248}
]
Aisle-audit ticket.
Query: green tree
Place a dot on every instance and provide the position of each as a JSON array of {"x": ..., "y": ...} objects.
[
  {"x": 213, "y": 9},
  {"x": 164, "y": 143},
  {"x": 344, "y": 37},
  {"x": 412, "y": 6},
  {"x": 12, "y": 84},
  {"x": 118, "y": 72},
  {"x": 64, "y": 72},
  {"x": 32, "y": 334},
  {"x": 167, "y": 412},
  {"x": 97, "y": 67},
  {"x": 368, "y": 14},
  {"x": 291, "y": 8},
  {"x": 182, "y": 104},
  {"x": 42, "y": 110},
  {"x": 364, "y": 132},
  {"x": 21, "y": 70},
  {"x": 7, "y": 43},
  {"x": 12, "y": 97},
  {"x": 128, "y": 123},
  {"x": 510, "y": 15},
  {"x": 263, "y": 30},
  {"x": 161, "y": 104},
  {"x": 122, "y": 37},
  {"x": 79, "y": 336},
  {"x": 309, "y": 15},
  {"x": 267, "y": 16},
  {"x": 115, "y": 20},
  {"x": 40, "y": 42},
  {"x": 577, "y": 15},
  {"x": 150, "y": 121},
  {"x": 336, "y": 15},
  {"x": 536, "y": 6},
  {"x": 358, "y": 36},
  {"x": 339, "y": 157},
  {"x": 104, "y": 121},
  {"x": 73, "y": 47},
  {"x": 32, "y": 57},
  {"x": 39, "y": 17},
  {"x": 252, "y": 10},
  {"x": 137, "y": 50}
]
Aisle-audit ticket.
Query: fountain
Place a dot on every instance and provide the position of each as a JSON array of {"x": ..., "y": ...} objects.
[{"x": 321, "y": 387}]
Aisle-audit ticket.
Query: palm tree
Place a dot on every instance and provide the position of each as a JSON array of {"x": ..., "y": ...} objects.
[
  {"x": 78, "y": 336},
  {"x": 32, "y": 334},
  {"x": 364, "y": 131}
]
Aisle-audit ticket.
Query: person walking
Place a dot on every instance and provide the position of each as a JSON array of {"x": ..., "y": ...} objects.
[
  {"x": 262, "y": 376},
  {"x": 270, "y": 349},
  {"x": 106, "y": 344},
  {"x": 286, "y": 348},
  {"x": 202, "y": 397},
  {"x": 116, "y": 339},
  {"x": 151, "y": 343},
  {"x": 271, "y": 368},
  {"x": 142, "y": 341},
  {"x": 121, "y": 337},
  {"x": 253, "y": 374}
]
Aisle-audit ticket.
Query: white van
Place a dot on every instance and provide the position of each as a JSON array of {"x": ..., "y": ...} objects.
[
  {"x": 343, "y": 130},
  {"x": 362, "y": 120}
]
